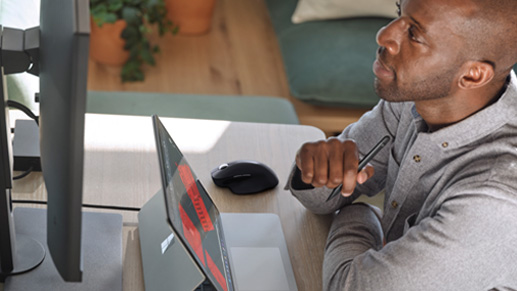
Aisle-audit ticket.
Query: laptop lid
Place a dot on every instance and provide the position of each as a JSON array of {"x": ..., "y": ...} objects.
[{"x": 191, "y": 213}]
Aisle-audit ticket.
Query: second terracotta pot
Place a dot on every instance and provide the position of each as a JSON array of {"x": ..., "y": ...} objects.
[{"x": 192, "y": 16}]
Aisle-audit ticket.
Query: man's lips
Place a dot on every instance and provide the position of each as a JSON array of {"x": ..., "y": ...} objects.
[{"x": 382, "y": 71}]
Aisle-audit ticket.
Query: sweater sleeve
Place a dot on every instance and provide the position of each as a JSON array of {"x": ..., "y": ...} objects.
[{"x": 458, "y": 248}]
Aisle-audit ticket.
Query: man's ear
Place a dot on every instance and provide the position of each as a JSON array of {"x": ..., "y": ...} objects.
[{"x": 476, "y": 74}]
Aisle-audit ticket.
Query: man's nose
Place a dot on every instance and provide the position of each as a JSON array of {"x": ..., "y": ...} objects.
[{"x": 390, "y": 36}]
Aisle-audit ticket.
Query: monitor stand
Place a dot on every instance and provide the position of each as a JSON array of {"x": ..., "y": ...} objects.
[{"x": 102, "y": 253}]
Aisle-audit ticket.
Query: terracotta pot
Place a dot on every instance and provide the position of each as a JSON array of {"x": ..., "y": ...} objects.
[
  {"x": 106, "y": 45},
  {"x": 192, "y": 16}
]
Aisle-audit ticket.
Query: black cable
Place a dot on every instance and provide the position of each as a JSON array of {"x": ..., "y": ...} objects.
[
  {"x": 111, "y": 207},
  {"x": 24, "y": 174},
  {"x": 25, "y": 109},
  {"x": 29, "y": 202}
]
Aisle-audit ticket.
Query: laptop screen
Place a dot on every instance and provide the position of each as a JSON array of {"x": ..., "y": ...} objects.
[{"x": 192, "y": 214}]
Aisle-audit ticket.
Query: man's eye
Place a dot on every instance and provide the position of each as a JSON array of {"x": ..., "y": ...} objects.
[
  {"x": 411, "y": 33},
  {"x": 399, "y": 12}
]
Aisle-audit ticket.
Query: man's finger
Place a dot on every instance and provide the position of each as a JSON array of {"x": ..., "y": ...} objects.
[
  {"x": 321, "y": 166},
  {"x": 365, "y": 174},
  {"x": 350, "y": 163},
  {"x": 335, "y": 171},
  {"x": 306, "y": 166}
]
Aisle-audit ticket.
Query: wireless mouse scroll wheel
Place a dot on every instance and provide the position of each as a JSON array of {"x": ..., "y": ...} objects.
[{"x": 223, "y": 166}]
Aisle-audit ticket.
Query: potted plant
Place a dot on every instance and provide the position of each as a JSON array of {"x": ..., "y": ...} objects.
[{"x": 132, "y": 20}]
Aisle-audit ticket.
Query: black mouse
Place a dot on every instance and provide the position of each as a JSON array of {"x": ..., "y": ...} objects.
[{"x": 245, "y": 177}]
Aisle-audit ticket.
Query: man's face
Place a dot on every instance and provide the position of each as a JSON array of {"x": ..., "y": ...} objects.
[{"x": 421, "y": 51}]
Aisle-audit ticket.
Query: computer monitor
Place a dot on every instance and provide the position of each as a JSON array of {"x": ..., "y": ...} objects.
[
  {"x": 64, "y": 45},
  {"x": 63, "y": 38}
]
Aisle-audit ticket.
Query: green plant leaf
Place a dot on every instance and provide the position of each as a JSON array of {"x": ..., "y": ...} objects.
[
  {"x": 147, "y": 57},
  {"x": 100, "y": 8},
  {"x": 135, "y": 3},
  {"x": 131, "y": 15},
  {"x": 115, "y": 7},
  {"x": 132, "y": 71},
  {"x": 152, "y": 3},
  {"x": 131, "y": 32}
]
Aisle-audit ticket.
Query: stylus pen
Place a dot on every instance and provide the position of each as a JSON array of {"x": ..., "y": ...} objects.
[{"x": 363, "y": 162}]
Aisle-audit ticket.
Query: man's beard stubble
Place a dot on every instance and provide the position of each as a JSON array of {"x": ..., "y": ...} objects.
[{"x": 435, "y": 87}]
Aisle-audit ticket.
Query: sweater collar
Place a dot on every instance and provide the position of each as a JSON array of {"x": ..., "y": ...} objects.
[{"x": 478, "y": 125}]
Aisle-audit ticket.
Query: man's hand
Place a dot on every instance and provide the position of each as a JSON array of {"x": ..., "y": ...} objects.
[{"x": 330, "y": 163}]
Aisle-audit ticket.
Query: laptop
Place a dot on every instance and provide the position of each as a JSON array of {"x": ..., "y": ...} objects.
[{"x": 231, "y": 251}]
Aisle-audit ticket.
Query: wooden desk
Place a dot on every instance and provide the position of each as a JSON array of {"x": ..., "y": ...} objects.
[{"x": 121, "y": 168}]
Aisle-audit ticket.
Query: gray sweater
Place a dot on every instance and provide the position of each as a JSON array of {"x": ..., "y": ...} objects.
[{"x": 450, "y": 211}]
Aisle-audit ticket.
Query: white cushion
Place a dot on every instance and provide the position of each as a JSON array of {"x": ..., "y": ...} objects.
[{"x": 308, "y": 10}]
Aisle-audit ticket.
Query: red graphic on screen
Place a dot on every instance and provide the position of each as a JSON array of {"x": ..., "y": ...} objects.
[
  {"x": 217, "y": 274},
  {"x": 192, "y": 234},
  {"x": 193, "y": 193}
]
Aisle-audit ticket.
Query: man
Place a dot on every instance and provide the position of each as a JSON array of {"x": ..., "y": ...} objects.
[{"x": 449, "y": 104}]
